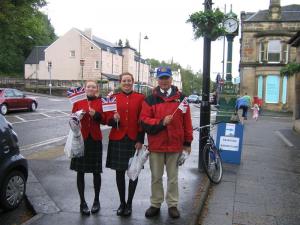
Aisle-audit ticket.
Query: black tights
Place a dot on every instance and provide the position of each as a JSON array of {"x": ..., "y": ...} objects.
[
  {"x": 120, "y": 178},
  {"x": 80, "y": 185}
]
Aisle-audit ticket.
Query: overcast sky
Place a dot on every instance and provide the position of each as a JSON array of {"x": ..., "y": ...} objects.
[{"x": 163, "y": 21}]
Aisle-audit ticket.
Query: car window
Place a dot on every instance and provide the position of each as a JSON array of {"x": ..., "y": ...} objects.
[
  {"x": 18, "y": 93},
  {"x": 9, "y": 93}
]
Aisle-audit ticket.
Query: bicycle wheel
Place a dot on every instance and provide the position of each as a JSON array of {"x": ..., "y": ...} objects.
[{"x": 212, "y": 163}]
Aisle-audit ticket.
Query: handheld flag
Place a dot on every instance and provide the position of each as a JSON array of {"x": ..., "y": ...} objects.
[
  {"x": 76, "y": 94},
  {"x": 183, "y": 105},
  {"x": 109, "y": 104}
]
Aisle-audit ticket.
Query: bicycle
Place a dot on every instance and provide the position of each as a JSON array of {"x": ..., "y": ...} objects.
[{"x": 211, "y": 158}]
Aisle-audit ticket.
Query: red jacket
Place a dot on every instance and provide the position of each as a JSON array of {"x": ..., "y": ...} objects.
[
  {"x": 172, "y": 137},
  {"x": 129, "y": 107},
  {"x": 90, "y": 125}
]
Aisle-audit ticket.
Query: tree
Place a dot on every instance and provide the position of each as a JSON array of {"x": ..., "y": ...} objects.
[
  {"x": 120, "y": 43},
  {"x": 127, "y": 44},
  {"x": 22, "y": 26}
]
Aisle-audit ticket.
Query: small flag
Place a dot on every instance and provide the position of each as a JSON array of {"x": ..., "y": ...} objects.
[
  {"x": 110, "y": 94},
  {"x": 109, "y": 104},
  {"x": 76, "y": 94},
  {"x": 183, "y": 105}
]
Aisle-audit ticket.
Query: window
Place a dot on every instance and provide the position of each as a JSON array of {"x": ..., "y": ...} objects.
[
  {"x": 284, "y": 90},
  {"x": 9, "y": 93},
  {"x": 18, "y": 94},
  {"x": 285, "y": 53},
  {"x": 262, "y": 50},
  {"x": 72, "y": 53},
  {"x": 97, "y": 65},
  {"x": 274, "y": 51},
  {"x": 272, "y": 89},
  {"x": 260, "y": 86}
]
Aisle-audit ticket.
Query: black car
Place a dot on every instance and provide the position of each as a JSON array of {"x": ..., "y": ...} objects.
[{"x": 13, "y": 168}]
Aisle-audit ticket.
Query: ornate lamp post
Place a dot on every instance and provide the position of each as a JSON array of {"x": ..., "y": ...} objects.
[{"x": 82, "y": 65}]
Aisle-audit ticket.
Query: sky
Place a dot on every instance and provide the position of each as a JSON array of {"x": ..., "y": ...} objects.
[{"x": 163, "y": 21}]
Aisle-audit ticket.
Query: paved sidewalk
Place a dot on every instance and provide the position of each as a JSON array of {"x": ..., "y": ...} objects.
[
  {"x": 53, "y": 193},
  {"x": 264, "y": 189}
]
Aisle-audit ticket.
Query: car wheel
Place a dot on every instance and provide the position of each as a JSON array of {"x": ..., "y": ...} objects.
[
  {"x": 3, "y": 109},
  {"x": 13, "y": 190},
  {"x": 33, "y": 107}
]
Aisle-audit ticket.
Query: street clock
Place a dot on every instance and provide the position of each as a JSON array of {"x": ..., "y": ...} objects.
[{"x": 231, "y": 25}]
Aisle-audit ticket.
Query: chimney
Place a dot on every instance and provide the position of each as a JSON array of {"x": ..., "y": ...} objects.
[
  {"x": 88, "y": 32},
  {"x": 274, "y": 10}
]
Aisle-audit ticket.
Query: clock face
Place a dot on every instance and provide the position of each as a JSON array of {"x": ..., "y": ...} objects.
[{"x": 230, "y": 25}]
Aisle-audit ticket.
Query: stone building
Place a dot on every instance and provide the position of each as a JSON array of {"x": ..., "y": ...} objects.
[
  {"x": 295, "y": 42},
  {"x": 265, "y": 50}
]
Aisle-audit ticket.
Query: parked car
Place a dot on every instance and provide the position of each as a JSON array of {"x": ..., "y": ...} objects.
[
  {"x": 194, "y": 99},
  {"x": 13, "y": 99},
  {"x": 13, "y": 168}
]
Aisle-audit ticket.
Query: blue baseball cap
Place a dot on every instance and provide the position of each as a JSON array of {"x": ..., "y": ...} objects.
[{"x": 163, "y": 71}]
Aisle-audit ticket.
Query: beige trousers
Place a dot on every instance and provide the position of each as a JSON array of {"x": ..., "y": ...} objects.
[{"x": 157, "y": 164}]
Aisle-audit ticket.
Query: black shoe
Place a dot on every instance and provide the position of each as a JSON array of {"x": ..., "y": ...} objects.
[
  {"x": 174, "y": 213},
  {"x": 128, "y": 210},
  {"x": 152, "y": 211},
  {"x": 84, "y": 209},
  {"x": 121, "y": 209},
  {"x": 95, "y": 207}
]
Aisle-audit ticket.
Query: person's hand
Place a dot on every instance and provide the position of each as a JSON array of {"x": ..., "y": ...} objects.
[
  {"x": 188, "y": 149},
  {"x": 116, "y": 116},
  {"x": 138, "y": 146},
  {"x": 167, "y": 120},
  {"x": 92, "y": 111}
]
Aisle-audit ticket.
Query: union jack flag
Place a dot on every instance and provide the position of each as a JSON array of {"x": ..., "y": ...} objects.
[
  {"x": 76, "y": 94},
  {"x": 184, "y": 105},
  {"x": 109, "y": 104}
]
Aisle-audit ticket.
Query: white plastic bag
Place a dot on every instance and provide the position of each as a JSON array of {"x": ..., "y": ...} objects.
[
  {"x": 74, "y": 146},
  {"x": 182, "y": 157},
  {"x": 136, "y": 163}
]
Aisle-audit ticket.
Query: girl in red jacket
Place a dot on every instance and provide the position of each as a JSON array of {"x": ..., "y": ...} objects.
[
  {"x": 125, "y": 136},
  {"x": 91, "y": 162}
]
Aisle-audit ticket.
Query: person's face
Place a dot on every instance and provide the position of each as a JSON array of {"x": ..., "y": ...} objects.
[
  {"x": 91, "y": 89},
  {"x": 165, "y": 82},
  {"x": 126, "y": 83}
]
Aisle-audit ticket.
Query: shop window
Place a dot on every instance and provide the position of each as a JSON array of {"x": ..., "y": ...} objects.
[
  {"x": 284, "y": 90},
  {"x": 260, "y": 87},
  {"x": 272, "y": 89}
]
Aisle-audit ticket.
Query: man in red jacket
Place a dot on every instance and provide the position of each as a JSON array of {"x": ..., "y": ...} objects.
[{"x": 169, "y": 131}]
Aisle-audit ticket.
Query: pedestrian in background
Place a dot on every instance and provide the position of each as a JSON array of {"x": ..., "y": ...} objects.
[
  {"x": 125, "y": 137},
  {"x": 169, "y": 132},
  {"x": 255, "y": 112},
  {"x": 243, "y": 103},
  {"x": 91, "y": 162}
]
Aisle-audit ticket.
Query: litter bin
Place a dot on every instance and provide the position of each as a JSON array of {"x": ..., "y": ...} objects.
[{"x": 230, "y": 142}]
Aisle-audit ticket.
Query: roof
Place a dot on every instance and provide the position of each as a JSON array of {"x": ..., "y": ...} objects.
[
  {"x": 106, "y": 46},
  {"x": 136, "y": 58},
  {"x": 289, "y": 13},
  {"x": 295, "y": 40},
  {"x": 36, "y": 55},
  {"x": 111, "y": 77}
]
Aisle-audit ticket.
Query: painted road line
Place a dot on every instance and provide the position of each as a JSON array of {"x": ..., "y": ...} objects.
[
  {"x": 42, "y": 143},
  {"x": 68, "y": 114},
  {"x": 43, "y": 114},
  {"x": 284, "y": 139},
  {"x": 40, "y": 119},
  {"x": 20, "y": 118}
]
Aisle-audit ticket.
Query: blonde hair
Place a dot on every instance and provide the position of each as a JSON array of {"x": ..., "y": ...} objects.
[{"x": 96, "y": 83}]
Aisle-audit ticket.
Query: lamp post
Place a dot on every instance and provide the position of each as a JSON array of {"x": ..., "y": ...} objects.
[
  {"x": 139, "y": 65},
  {"x": 82, "y": 65},
  {"x": 205, "y": 105},
  {"x": 49, "y": 70}
]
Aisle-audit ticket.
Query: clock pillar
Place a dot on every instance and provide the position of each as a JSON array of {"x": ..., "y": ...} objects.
[
  {"x": 228, "y": 96},
  {"x": 229, "y": 57}
]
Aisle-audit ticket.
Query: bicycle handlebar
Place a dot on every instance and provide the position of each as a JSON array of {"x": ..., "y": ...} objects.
[{"x": 209, "y": 125}]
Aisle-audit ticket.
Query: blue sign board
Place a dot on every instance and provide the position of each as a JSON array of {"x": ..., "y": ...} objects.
[{"x": 230, "y": 142}]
